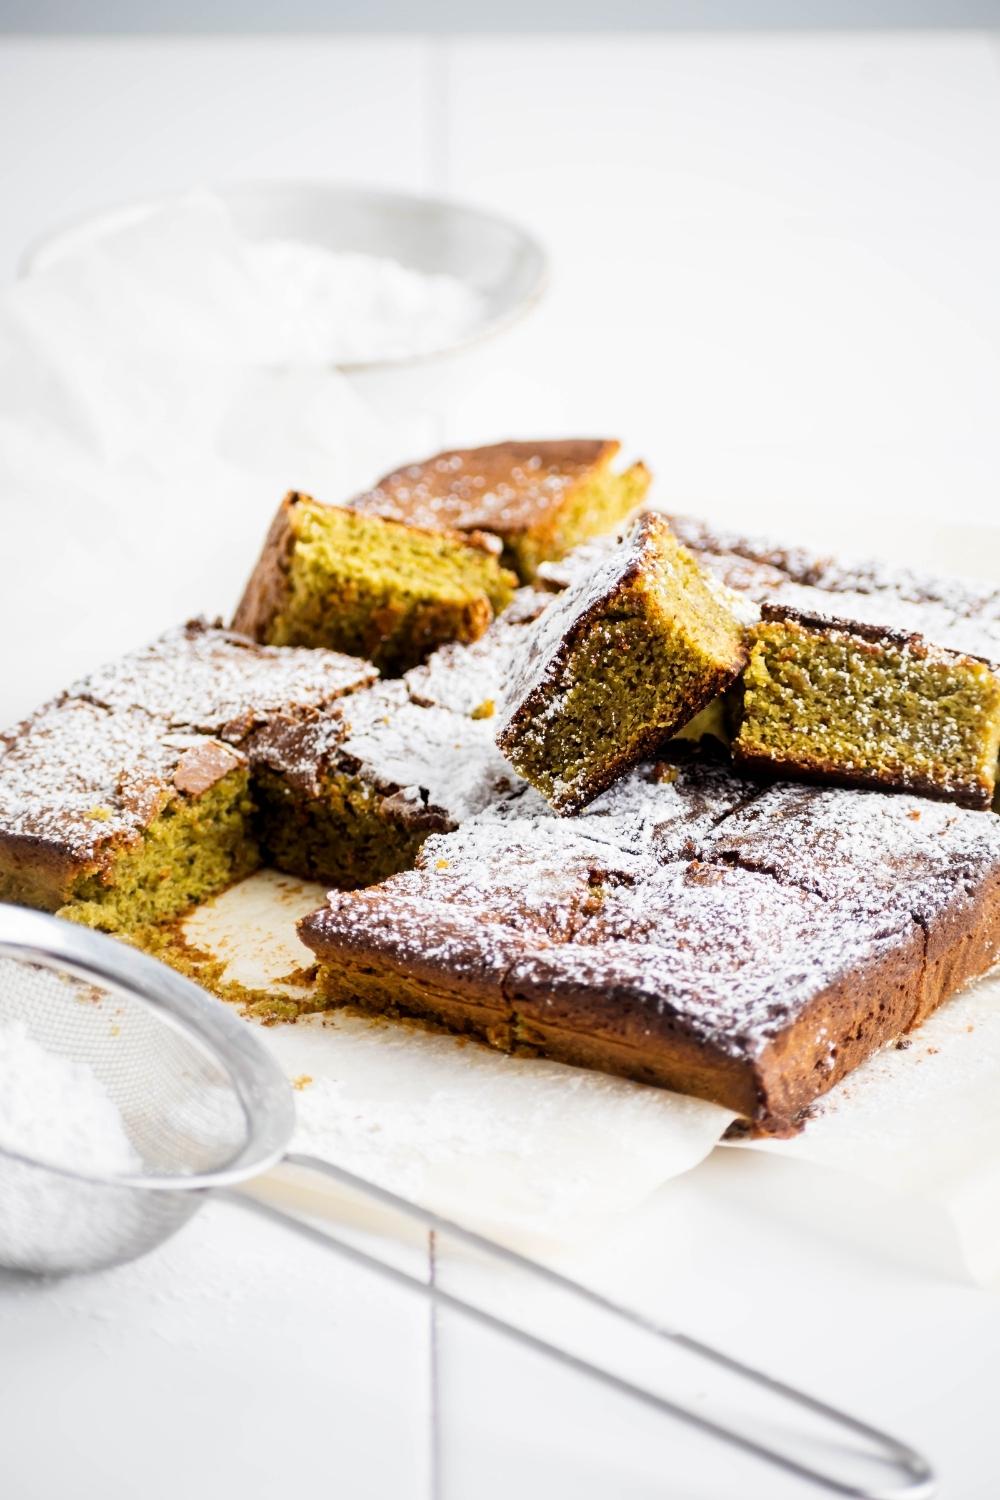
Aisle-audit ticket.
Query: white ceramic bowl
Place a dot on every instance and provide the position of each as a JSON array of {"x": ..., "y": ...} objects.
[{"x": 498, "y": 259}]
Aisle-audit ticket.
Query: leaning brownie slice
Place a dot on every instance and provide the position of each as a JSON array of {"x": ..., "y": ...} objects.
[
  {"x": 615, "y": 665},
  {"x": 369, "y": 587},
  {"x": 540, "y": 499},
  {"x": 860, "y": 705}
]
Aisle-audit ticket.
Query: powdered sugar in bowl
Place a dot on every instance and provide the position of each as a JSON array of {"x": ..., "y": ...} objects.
[
  {"x": 396, "y": 297},
  {"x": 361, "y": 278}
]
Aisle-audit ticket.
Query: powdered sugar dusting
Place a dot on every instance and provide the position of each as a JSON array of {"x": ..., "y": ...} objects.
[
  {"x": 954, "y": 612},
  {"x": 731, "y": 954},
  {"x": 958, "y": 613},
  {"x": 425, "y": 741},
  {"x": 506, "y": 488},
  {"x": 691, "y": 896},
  {"x": 90, "y": 770},
  {"x": 471, "y": 678},
  {"x": 535, "y": 668},
  {"x": 216, "y": 681},
  {"x": 426, "y": 758},
  {"x": 518, "y": 910},
  {"x": 445, "y": 758},
  {"x": 850, "y": 846},
  {"x": 79, "y": 776}
]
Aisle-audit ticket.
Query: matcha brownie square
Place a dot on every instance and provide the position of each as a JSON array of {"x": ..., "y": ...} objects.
[
  {"x": 861, "y": 705},
  {"x": 615, "y": 665},
  {"x": 371, "y": 587},
  {"x": 128, "y": 799},
  {"x": 754, "y": 955},
  {"x": 350, "y": 796},
  {"x": 539, "y": 498},
  {"x": 115, "y": 819}
]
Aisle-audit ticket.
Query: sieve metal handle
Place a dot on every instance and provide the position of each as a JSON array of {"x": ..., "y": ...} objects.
[
  {"x": 916, "y": 1481},
  {"x": 268, "y": 1107}
]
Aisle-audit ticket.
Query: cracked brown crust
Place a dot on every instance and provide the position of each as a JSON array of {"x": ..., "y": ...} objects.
[
  {"x": 870, "y": 911},
  {"x": 516, "y": 974},
  {"x": 531, "y": 498},
  {"x": 531, "y": 1006},
  {"x": 83, "y": 777},
  {"x": 506, "y": 488}
]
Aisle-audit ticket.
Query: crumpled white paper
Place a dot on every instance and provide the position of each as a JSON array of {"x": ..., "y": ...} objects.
[{"x": 152, "y": 415}]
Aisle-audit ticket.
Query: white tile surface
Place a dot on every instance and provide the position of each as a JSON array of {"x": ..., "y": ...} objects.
[
  {"x": 775, "y": 274},
  {"x": 900, "y": 1346},
  {"x": 772, "y": 258},
  {"x": 90, "y": 123},
  {"x": 236, "y": 1361}
]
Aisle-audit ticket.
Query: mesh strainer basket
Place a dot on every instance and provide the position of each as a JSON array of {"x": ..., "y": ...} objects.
[
  {"x": 202, "y": 1102},
  {"x": 206, "y": 1109}
]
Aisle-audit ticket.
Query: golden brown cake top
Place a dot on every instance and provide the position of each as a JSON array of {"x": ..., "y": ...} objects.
[{"x": 504, "y": 487}]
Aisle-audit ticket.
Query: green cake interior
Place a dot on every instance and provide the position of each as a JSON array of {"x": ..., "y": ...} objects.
[
  {"x": 595, "y": 505},
  {"x": 340, "y": 836},
  {"x": 381, "y": 590},
  {"x": 826, "y": 701},
  {"x": 661, "y": 651},
  {"x": 194, "y": 848}
]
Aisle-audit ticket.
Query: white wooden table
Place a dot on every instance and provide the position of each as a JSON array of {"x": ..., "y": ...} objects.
[{"x": 775, "y": 275}]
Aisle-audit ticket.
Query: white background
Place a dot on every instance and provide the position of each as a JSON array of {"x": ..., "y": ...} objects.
[{"x": 775, "y": 275}]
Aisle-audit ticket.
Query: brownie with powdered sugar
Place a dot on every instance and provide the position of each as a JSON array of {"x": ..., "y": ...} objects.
[{"x": 744, "y": 944}]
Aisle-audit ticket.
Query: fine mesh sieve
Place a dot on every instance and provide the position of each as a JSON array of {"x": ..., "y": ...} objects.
[
  {"x": 206, "y": 1108},
  {"x": 201, "y": 1107}
]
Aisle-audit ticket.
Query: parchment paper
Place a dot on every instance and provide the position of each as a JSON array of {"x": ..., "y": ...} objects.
[
  {"x": 921, "y": 1124},
  {"x": 521, "y": 1146},
  {"x": 904, "y": 1154}
]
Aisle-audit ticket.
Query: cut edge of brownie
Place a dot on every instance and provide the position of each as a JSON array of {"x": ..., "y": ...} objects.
[
  {"x": 127, "y": 799},
  {"x": 632, "y": 612},
  {"x": 320, "y": 817},
  {"x": 382, "y": 614},
  {"x": 774, "y": 676},
  {"x": 351, "y": 796},
  {"x": 157, "y": 822}
]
